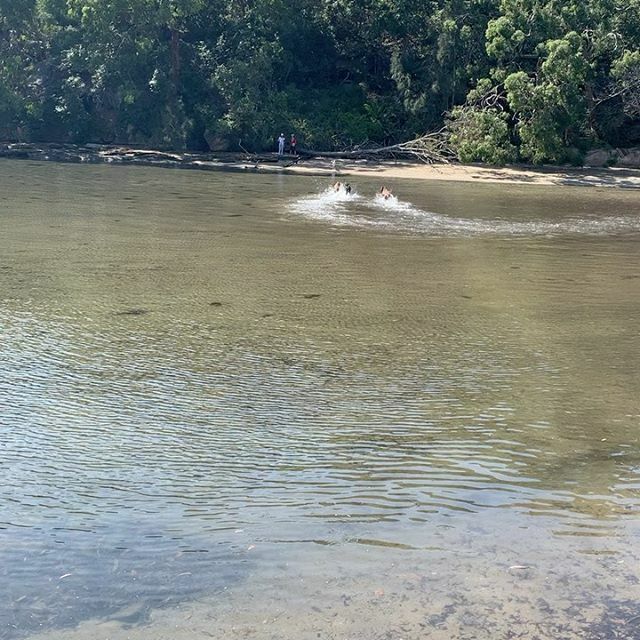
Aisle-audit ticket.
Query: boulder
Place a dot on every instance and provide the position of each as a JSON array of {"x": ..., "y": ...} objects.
[
  {"x": 598, "y": 158},
  {"x": 629, "y": 158}
]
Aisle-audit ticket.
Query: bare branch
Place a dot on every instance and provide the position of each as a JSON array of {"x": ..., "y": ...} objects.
[{"x": 430, "y": 148}]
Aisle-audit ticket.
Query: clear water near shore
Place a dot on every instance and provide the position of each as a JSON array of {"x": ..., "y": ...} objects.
[{"x": 232, "y": 407}]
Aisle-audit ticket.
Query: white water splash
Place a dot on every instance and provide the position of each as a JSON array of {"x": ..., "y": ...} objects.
[
  {"x": 338, "y": 208},
  {"x": 390, "y": 202}
]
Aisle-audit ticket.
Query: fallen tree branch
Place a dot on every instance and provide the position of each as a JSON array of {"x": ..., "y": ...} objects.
[{"x": 430, "y": 148}]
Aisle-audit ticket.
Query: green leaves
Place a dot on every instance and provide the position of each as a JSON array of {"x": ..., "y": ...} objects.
[
  {"x": 523, "y": 79},
  {"x": 564, "y": 75},
  {"x": 625, "y": 73},
  {"x": 481, "y": 135}
]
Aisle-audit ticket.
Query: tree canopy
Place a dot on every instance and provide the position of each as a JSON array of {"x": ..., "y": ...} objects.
[{"x": 532, "y": 80}]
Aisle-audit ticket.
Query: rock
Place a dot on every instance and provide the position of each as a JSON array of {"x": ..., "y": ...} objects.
[
  {"x": 629, "y": 158},
  {"x": 132, "y": 312},
  {"x": 23, "y": 146},
  {"x": 15, "y": 153},
  {"x": 598, "y": 158}
]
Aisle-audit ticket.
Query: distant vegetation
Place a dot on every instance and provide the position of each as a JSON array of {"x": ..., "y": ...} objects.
[{"x": 528, "y": 80}]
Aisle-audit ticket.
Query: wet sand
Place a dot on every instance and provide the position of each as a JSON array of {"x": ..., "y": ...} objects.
[{"x": 391, "y": 170}]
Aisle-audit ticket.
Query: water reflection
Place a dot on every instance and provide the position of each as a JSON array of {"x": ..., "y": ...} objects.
[{"x": 222, "y": 410}]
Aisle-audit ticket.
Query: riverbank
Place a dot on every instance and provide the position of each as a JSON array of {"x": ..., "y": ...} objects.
[
  {"x": 385, "y": 171},
  {"x": 391, "y": 170}
]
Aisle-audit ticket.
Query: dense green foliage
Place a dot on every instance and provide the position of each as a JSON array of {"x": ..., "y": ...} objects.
[
  {"x": 564, "y": 76},
  {"x": 538, "y": 80}
]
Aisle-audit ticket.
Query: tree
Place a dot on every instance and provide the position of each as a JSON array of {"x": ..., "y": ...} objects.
[
  {"x": 552, "y": 64},
  {"x": 539, "y": 80}
]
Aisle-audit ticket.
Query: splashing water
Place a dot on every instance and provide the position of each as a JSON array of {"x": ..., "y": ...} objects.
[
  {"x": 394, "y": 215},
  {"x": 390, "y": 202},
  {"x": 334, "y": 207}
]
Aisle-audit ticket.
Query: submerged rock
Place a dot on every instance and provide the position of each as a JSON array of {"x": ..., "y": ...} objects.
[{"x": 132, "y": 312}]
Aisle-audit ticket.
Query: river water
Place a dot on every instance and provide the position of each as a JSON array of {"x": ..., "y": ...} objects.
[{"x": 240, "y": 406}]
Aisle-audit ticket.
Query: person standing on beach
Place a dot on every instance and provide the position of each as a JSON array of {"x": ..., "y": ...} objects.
[
  {"x": 281, "y": 141},
  {"x": 293, "y": 143}
]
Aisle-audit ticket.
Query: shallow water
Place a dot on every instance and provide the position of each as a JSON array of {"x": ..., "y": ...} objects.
[
  {"x": 240, "y": 406},
  {"x": 395, "y": 215}
]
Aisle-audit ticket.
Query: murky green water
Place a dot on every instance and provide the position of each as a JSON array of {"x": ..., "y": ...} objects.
[{"x": 235, "y": 406}]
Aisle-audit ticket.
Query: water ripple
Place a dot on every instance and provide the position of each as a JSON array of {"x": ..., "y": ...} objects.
[{"x": 193, "y": 403}]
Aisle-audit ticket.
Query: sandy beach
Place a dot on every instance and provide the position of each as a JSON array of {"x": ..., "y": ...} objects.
[{"x": 391, "y": 170}]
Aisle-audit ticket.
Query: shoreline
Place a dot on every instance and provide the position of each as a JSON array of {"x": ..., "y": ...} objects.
[
  {"x": 384, "y": 170},
  {"x": 483, "y": 174}
]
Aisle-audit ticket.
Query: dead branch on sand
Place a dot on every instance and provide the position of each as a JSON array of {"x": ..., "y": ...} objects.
[{"x": 431, "y": 148}]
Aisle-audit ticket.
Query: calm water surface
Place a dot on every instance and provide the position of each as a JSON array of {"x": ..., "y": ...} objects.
[{"x": 238, "y": 406}]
